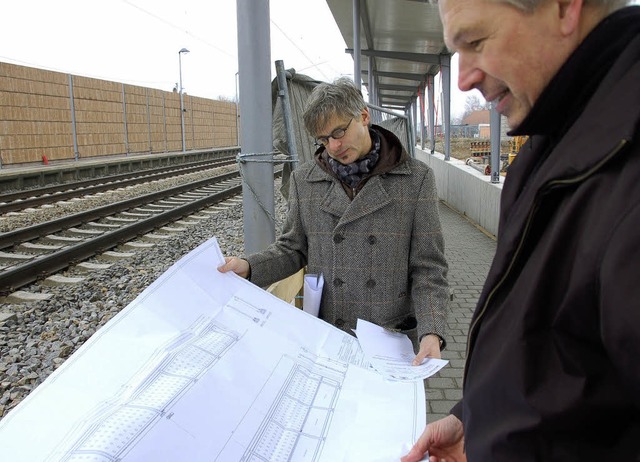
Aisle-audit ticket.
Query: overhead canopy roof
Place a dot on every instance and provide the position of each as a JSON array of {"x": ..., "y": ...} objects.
[{"x": 402, "y": 39}]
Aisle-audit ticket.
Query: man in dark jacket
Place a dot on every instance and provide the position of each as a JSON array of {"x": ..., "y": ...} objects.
[
  {"x": 364, "y": 214},
  {"x": 552, "y": 369}
]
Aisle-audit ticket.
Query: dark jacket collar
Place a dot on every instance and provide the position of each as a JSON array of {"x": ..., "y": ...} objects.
[
  {"x": 566, "y": 95},
  {"x": 606, "y": 117},
  {"x": 560, "y": 147}
]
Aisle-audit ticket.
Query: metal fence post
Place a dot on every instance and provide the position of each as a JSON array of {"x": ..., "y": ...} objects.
[
  {"x": 72, "y": 105},
  {"x": 286, "y": 109},
  {"x": 124, "y": 113}
]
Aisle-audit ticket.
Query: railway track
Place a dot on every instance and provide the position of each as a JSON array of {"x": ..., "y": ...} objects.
[
  {"x": 21, "y": 200},
  {"x": 36, "y": 252}
]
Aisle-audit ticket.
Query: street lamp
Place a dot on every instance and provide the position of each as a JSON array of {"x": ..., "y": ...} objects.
[{"x": 184, "y": 50}]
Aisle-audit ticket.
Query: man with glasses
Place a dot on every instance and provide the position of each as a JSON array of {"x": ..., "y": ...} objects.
[{"x": 365, "y": 215}]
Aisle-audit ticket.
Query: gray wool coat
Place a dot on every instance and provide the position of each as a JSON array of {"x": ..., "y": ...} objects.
[{"x": 381, "y": 254}]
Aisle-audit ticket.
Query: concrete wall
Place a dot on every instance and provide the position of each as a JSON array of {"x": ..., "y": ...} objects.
[
  {"x": 466, "y": 190},
  {"x": 36, "y": 118}
]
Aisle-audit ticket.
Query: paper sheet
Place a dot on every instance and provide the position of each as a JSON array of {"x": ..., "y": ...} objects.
[
  {"x": 205, "y": 366},
  {"x": 391, "y": 353},
  {"x": 313, "y": 284}
]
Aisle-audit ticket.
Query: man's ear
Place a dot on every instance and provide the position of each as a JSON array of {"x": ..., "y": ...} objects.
[
  {"x": 366, "y": 117},
  {"x": 569, "y": 15}
]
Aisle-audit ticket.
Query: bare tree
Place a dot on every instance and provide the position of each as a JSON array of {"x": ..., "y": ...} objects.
[
  {"x": 473, "y": 103},
  {"x": 227, "y": 99}
]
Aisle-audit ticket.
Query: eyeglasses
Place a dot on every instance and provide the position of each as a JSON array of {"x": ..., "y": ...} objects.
[{"x": 336, "y": 135}]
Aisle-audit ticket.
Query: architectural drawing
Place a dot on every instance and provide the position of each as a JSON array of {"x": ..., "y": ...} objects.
[
  {"x": 294, "y": 428},
  {"x": 110, "y": 431},
  {"x": 205, "y": 366},
  {"x": 297, "y": 422}
]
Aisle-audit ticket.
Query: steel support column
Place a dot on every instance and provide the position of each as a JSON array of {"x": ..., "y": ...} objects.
[
  {"x": 414, "y": 124},
  {"x": 423, "y": 130},
  {"x": 357, "y": 64},
  {"x": 372, "y": 87},
  {"x": 254, "y": 73},
  {"x": 446, "y": 110},
  {"x": 494, "y": 121},
  {"x": 431, "y": 97}
]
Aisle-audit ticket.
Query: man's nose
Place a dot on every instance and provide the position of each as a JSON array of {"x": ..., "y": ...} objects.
[
  {"x": 469, "y": 75},
  {"x": 334, "y": 144}
]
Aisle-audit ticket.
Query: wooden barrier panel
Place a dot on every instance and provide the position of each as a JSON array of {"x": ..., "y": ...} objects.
[{"x": 111, "y": 118}]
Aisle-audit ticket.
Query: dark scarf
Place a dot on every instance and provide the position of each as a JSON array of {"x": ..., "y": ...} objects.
[{"x": 351, "y": 174}]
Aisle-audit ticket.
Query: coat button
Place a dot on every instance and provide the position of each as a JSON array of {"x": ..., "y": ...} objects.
[
  {"x": 371, "y": 283},
  {"x": 372, "y": 239},
  {"x": 338, "y": 282},
  {"x": 339, "y": 322},
  {"x": 338, "y": 238}
]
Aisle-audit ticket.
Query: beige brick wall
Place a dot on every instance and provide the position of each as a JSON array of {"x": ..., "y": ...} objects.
[{"x": 36, "y": 118}]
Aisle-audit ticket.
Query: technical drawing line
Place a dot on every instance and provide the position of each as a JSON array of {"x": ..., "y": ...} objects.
[
  {"x": 296, "y": 424},
  {"x": 115, "y": 427}
]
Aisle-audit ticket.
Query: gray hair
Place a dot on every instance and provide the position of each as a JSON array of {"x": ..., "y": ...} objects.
[
  {"x": 529, "y": 6},
  {"x": 328, "y": 100}
]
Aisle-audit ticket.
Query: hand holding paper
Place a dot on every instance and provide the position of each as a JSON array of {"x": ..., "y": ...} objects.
[{"x": 391, "y": 353}]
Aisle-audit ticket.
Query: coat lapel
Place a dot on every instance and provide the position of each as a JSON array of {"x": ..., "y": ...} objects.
[
  {"x": 335, "y": 201},
  {"x": 371, "y": 198}
]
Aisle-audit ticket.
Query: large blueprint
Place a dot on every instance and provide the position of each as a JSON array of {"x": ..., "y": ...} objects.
[{"x": 205, "y": 366}]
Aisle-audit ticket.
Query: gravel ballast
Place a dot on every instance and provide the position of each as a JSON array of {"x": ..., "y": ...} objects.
[{"x": 37, "y": 337}]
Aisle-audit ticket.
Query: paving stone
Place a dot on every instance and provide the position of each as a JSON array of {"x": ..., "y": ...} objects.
[
  {"x": 442, "y": 406},
  {"x": 434, "y": 394},
  {"x": 451, "y": 372},
  {"x": 440, "y": 382},
  {"x": 469, "y": 252},
  {"x": 453, "y": 394}
]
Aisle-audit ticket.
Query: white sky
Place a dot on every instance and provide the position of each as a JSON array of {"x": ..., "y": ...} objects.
[{"x": 137, "y": 41}]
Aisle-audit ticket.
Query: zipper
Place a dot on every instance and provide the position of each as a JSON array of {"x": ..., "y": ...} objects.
[{"x": 543, "y": 190}]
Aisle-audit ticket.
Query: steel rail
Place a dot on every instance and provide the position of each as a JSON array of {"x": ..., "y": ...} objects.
[
  {"x": 32, "y": 198},
  {"x": 46, "y": 265},
  {"x": 11, "y": 238}
]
